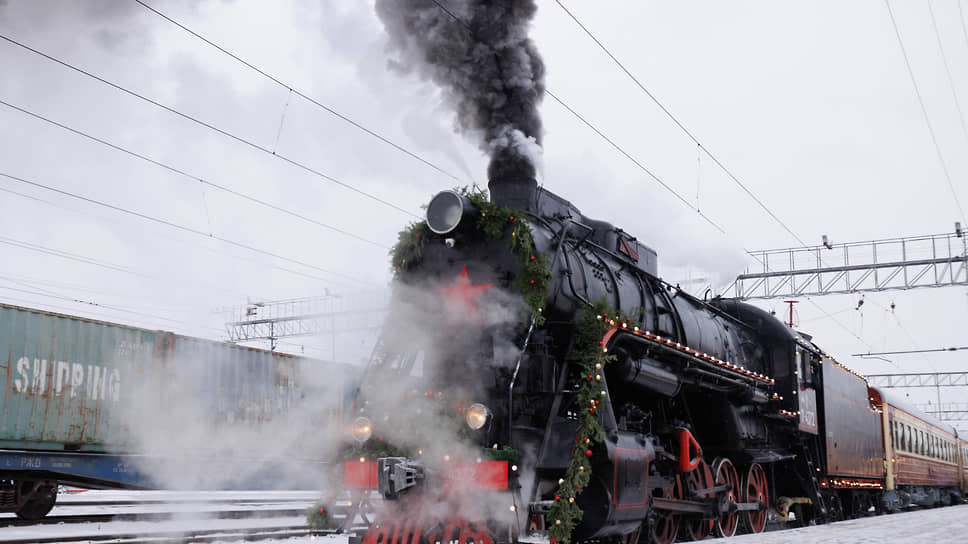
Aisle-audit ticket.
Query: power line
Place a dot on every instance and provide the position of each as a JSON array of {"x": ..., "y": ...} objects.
[
  {"x": 682, "y": 127},
  {"x": 924, "y": 111},
  {"x": 120, "y": 268},
  {"x": 106, "y": 306},
  {"x": 947, "y": 71},
  {"x": 905, "y": 352},
  {"x": 301, "y": 94},
  {"x": 631, "y": 158},
  {"x": 961, "y": 17},
  {"x": 211, "y": 127},
  {"x": 70, "y": 256},
  {"x": 181, "y": 227},
  {"x": 53, "y": 252},
  {"x": 192, "y": 176}
]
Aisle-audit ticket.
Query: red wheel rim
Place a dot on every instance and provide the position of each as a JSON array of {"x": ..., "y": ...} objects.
[
  {"x": 666, "y": 529},
  {"x": 700, "y": 478},
  {"x": 755, "y": 490},
  {"x": 726, "y": 473}
]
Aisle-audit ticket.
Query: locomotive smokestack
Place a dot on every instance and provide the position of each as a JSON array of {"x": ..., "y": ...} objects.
[
  {"x": 479, "y": 54},
  {"x": 511, "y": 181}
]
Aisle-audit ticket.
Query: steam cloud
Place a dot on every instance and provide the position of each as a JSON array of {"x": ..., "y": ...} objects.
[{"x": 479, "y": 54}]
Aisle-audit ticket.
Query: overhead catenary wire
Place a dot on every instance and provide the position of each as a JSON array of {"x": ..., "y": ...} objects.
[
  {"x": 211, "y": 127},
  {"x": 924, "y": 112},
  {"x": 910, "y": 351},
  {"x": 964, "y": 26},
  {"x": 634, "y": 160},
  {"x": 22, "y": 244},
  {"x": 947, "y": 71},
  {"x": 301, "y": 94},
  {"x": 100, "y": 263},
  {"x": 104, "y": 306},
  {"x": 184, "y": 228},
  {"x": 193, "y": 177},
  {"x": 679, "y": 124}
]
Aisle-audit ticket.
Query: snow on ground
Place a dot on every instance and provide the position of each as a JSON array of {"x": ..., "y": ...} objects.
[
  {"x": 97, "y": 531},
  {"x": 936, "y": 526}
]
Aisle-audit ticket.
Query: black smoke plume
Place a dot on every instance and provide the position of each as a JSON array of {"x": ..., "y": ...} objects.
[{"x": 479, "y": 54}]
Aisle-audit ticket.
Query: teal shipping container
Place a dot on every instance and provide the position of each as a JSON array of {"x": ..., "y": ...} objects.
[{"x": 75, "y": 384}]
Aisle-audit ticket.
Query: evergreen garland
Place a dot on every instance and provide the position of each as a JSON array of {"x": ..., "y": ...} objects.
[
  {"x": 590, "y": 358},
  {"x": 533, "y": 266},
  {"x": 409, "y": 246}
]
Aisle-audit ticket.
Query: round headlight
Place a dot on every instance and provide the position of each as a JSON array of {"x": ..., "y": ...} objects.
[
  {"x": 446, "y": 210},
  {"x": 476, "y": 415},
  {"x": 362, "y": 429}
]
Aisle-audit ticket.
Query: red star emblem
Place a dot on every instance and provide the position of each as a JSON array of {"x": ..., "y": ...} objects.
[{"x": 462, "y": 297}]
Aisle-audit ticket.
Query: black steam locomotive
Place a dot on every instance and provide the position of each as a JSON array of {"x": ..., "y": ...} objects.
[{"x": 612, "y": 406}]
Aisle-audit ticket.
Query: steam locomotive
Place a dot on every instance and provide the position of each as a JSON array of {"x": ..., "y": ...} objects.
[{"x": 704, "y": 416}]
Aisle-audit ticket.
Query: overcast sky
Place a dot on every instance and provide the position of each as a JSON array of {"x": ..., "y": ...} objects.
[{"x": 810, "y": 105}]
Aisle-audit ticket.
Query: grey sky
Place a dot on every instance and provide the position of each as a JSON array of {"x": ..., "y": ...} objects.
[{"x": 808, "y": 104}]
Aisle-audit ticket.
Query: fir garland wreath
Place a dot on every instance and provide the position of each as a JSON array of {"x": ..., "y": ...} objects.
[
  {"x": 493, "y": 222},
  {"x": 590, "y": 358}
]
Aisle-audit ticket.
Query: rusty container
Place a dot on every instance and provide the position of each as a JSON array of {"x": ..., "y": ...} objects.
[
  {"x": 64, "y": 378},
  {"x": 76, "y": 384}
]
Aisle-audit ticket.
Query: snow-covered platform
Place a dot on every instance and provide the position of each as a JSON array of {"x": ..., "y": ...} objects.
[{"x": 935, "y": 526}]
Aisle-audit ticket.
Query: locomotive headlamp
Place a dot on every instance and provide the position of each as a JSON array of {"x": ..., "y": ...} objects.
[
  {"x": 362, "y": 429},
  {"x": 446, "y": 210},
  {"x": 476, "y": 415}
]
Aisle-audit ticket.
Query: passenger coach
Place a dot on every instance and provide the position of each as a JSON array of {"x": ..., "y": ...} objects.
[{"x": 924, "y": 464}]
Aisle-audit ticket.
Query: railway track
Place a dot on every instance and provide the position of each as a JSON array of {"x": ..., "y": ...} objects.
[
  {"x": 177, "y": 536},
  {"x": 162, "y": 517},
  {"x": 154, "y": 516}
]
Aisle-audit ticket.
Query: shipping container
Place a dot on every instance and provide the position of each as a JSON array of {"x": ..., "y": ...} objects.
[{"x": 79, "y": 385}]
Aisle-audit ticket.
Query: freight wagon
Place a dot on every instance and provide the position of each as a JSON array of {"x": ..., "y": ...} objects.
[{"x": 103, "y": 405}]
